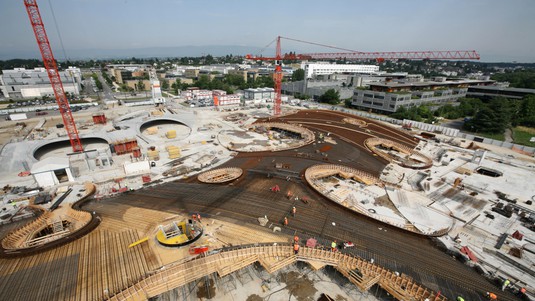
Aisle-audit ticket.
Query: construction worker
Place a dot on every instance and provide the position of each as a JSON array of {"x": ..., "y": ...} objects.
[
  {"x": 199, "y": 217},
  {"x": 333, "y": 246},
  {"x": 285, "y": 221},
  {"x": 293, "y": 211},
  {"x": 523, "y": 290},
  {"x": 296, "y": 248},
  {"x": 505, "y": 284},
  {"x": 492, "y": 296},
  {"x": 296, "y": 239}
]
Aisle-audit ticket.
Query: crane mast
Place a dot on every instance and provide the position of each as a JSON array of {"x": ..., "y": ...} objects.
[
  {"x": 53, "y": 73},
  {"x": 277, "y": 78}
]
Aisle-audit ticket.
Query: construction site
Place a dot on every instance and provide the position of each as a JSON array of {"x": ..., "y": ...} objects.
[{"x": 163, "y": 201}]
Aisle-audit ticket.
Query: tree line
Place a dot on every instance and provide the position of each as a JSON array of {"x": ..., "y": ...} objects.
[
  {"x": 518, "y": 78},
  {"x": 228, "y": 83},
  {"x": 482, "y": 116}
]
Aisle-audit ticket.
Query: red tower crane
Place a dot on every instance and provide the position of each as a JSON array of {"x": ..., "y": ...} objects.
[
  {"x": 53, "y": 73},
  {"x": 353, "y": 55}
]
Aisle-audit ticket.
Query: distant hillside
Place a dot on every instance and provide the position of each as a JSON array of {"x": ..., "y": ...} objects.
[{"x": 80, "y": 54}]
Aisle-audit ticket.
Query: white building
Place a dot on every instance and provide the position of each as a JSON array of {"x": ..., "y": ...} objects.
[
  {"x": 228, "y": 99},
  {"x": 52, "y": 171},
  {"x": 196, "y": 93},
  {"x": 22, "y": 83},
  {"x": 259, "y": 95},
  {"x": 314, "y": 69}
]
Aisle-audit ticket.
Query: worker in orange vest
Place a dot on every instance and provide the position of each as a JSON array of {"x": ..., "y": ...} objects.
[
  {"x": 296, "y": 248},
  {"x": 492, "y": 296},
  {"x": 296, "y": 239},
  {"x": 285, "y": 221},
  {"x": 294, "y": 210}
]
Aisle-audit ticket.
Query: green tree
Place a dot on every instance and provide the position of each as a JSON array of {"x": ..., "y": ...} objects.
[
  {"x": 165, "y": 84},
  {"x": 493, "y": 118},
  {"x": 202, "y": 82},
  {"x": 407, "y": 113},
  {"x": 140, "y": 85},
  {"x": 518, "y": 78},
  {"x": 485, "y": 121},
  {"x": 298, "y": 74},
  {"x": 235, "y": 81},
  {"x": 330, "y": 96},
  {"x": 177, "y": 86},
  {"x": 97, "y": 81},
  {"x": 526, "y": 111},
  {"x": 209, "y": 59},
  {"x": 263, "y": 81}
]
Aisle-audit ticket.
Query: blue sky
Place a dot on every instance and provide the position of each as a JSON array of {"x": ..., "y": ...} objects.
[{"x": 498, "y": 30}]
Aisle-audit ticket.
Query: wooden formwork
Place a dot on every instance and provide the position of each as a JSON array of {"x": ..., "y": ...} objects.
[{"x": 273, "y": 258}]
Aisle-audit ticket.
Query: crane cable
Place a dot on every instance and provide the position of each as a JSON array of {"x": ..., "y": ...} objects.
[
  {"x": 322, "y": 45},
  {"x": 265, "y": 47},
  {"x": 57, "y": 30}
]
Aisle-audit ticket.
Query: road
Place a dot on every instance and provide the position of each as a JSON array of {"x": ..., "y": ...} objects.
[{"x": 106, "y": 90}]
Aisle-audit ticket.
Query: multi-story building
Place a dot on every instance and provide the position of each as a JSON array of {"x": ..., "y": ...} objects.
[
  {"x": 122, "y": 76},
  {"x": 314, "y": 69},
  {"x": 191, "y": 72},
  {"x": 22, "y": 83},
  {"x": 487, "y": 92},
  {"x": 126, "y": 72},
  {"x": 196, "y": 93},
  {"x": 221, "y": 98},
  {"x": 259, "y": 95},
  {"x": 389, "y": 96}
]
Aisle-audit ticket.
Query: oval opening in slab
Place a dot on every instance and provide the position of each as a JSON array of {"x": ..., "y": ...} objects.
[
  {"x": 489, "y": 172},
  {"x": 62, "y": 148},
  {"x": 161, "y": 126}
]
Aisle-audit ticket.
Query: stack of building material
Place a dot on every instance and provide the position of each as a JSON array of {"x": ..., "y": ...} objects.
[
  {"x": 171, "y": 134},
  {"x": 174, "y": 152},
  {"x": 152, "y": 130},
  {"x": 153, "y": 155},
  {"x": 156, "y": 113}
]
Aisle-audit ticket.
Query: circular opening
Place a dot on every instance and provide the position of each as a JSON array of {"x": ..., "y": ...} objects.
[
  {"x": 160, "y": 127},
  {"x": 62, "y": 148}
]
